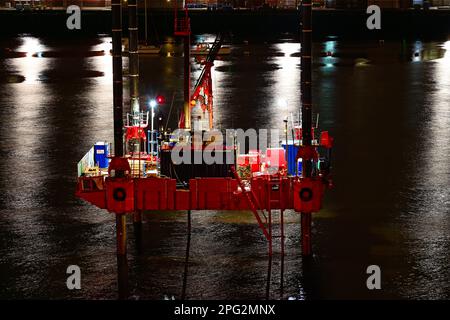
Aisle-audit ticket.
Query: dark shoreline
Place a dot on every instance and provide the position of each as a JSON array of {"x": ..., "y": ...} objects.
[{"x": 396, "y": 24}]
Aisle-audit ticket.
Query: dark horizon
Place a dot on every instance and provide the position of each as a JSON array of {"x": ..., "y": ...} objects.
[{"x": 410, "y": 24}]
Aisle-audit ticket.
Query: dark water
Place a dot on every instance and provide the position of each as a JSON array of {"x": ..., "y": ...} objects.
[{"x": 387, "y": 105}]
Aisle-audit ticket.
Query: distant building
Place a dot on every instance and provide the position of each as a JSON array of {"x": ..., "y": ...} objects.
[
  {"x": 386, "y": 3},
  {"x": 87, "y": 3},
  {"x": 57, "y": 3},
  {"x": 282, "y": 4}
]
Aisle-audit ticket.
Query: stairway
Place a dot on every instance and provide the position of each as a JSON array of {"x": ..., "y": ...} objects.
[{"x": 265, "y": 221}]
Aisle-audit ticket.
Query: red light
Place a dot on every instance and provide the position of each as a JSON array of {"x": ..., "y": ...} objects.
[{"x": 160, "y": 99}]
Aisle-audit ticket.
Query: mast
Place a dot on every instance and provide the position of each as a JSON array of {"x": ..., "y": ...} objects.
[
  {"x": 121, "y": 231},
  {"x": 146, "y": 31},
  {"x": 306, "y": 80},
  {"x": 117, "y": 76},
  {"x": 182, "y": 28},
  {"x": 187, "y": 70},
  {"x": 134, "y": 102},
  {"x": 133, "y": 60},
  {"x": 306, "y": 99},
  {"x": 187, "y": 82}
]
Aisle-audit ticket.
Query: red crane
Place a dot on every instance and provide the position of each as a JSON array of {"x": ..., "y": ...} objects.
[{"x": 203, "y": 90}]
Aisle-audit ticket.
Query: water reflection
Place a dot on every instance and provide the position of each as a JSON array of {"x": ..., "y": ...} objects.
[
  {"x": 51, "y": 124},
  {"x": 417, "y": 51},
  {"x": 221, "y": 97},
  {"x": 329, "y": 50},
  {"x": 28, "y": 66},
  {"x": 285, "y": 99},
  {"x": 103, "y": 63},
  {"x": 23, "y": 163},
  {"x": 25, "y": 130},
  {"x": 186, "y": 262},
  {"x": 428, "y": 220}
]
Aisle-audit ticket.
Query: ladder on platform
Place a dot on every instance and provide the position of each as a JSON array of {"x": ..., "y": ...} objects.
[{"x": 265, "y": 221}]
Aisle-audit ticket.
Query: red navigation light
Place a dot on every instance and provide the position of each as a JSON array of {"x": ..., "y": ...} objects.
[{"x": 160, "y": 99}]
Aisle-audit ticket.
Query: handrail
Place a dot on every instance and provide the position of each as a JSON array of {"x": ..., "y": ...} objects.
[{"x": 253, "y": 203}]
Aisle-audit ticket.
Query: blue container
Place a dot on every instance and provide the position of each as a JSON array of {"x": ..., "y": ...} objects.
[
  {"x": 292, "y": 153},
  {"x": 300, "y": 167},
  {"x": 101, "y": 154}
]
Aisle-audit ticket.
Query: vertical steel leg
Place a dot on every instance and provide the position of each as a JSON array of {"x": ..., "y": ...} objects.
[
  {"x": 270, "y": 232},
  {"x": 306, "y": 234},
  {"x": 282, "y": 253},
  {"x": 187, "y": 82},
  {"x": 137, "y": 227},
  {"x": 122, "y": 263},
  {"x": 282, "y": 231}
]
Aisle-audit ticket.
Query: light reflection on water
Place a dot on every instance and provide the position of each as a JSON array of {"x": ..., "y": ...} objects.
[
  {"x": 431, "y": 209},
  {"x": 30, "y": 67},
  {"x": 390, "y": 206},
  {"x": 285, "y": 83}
]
